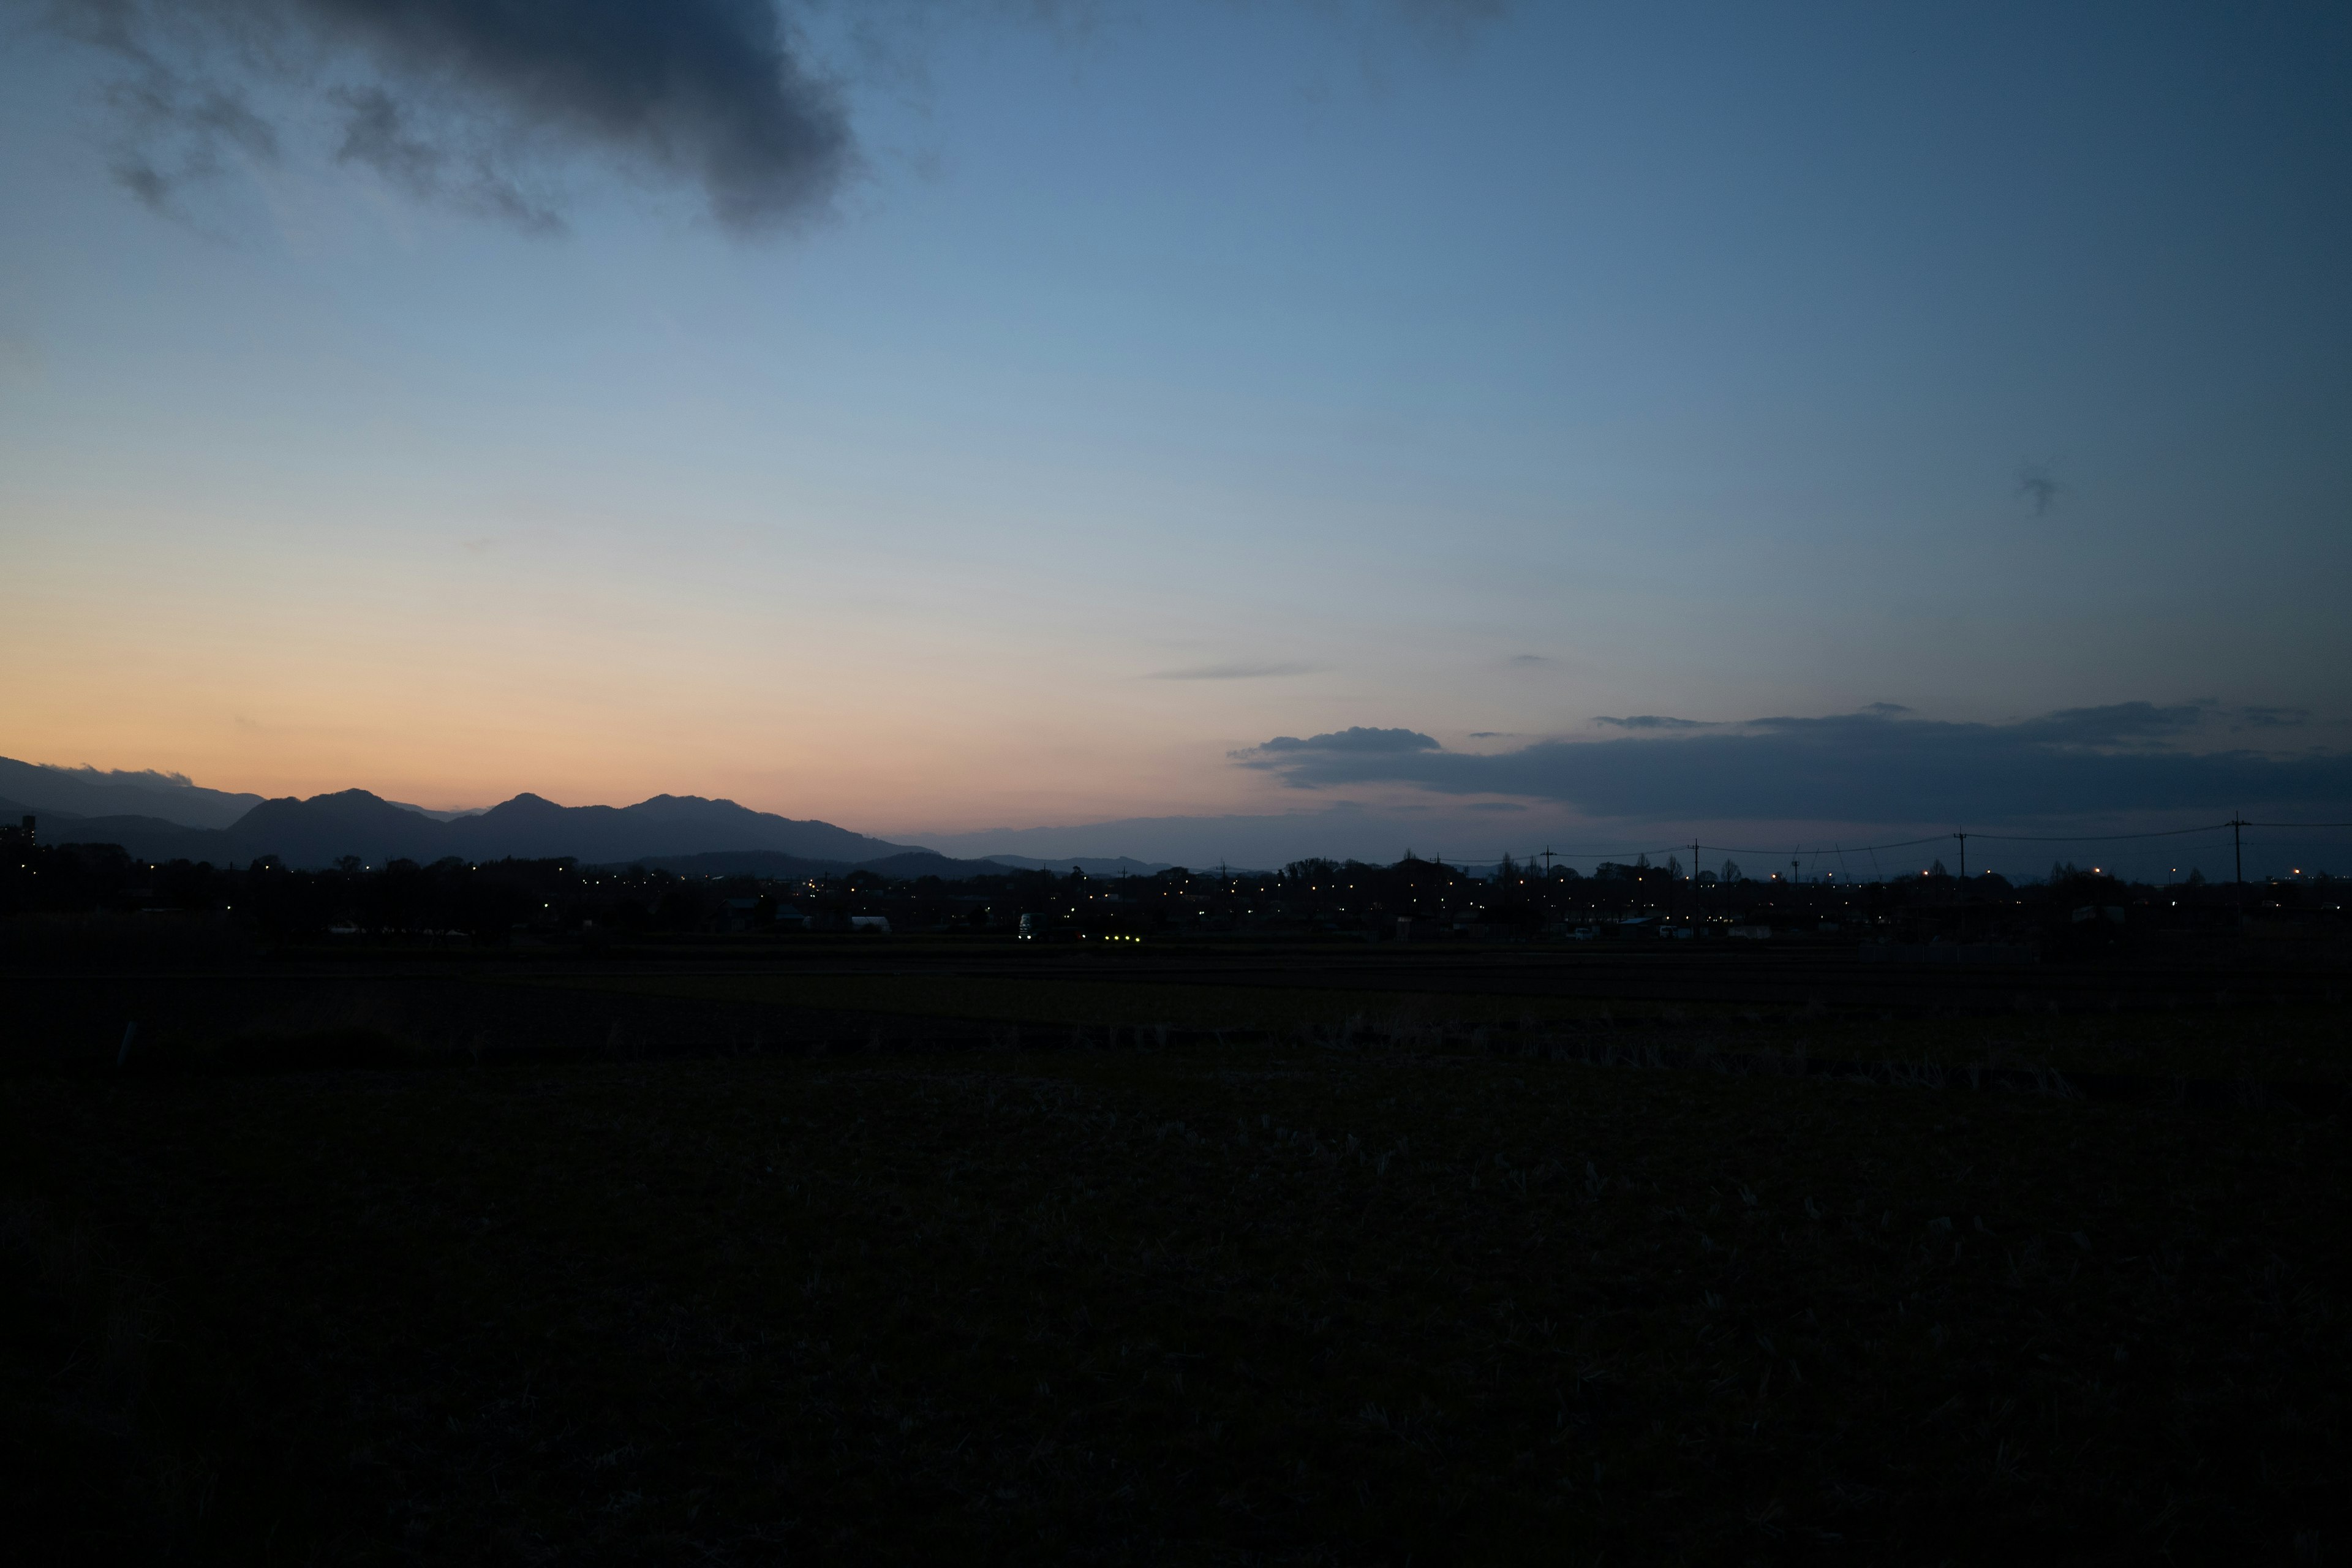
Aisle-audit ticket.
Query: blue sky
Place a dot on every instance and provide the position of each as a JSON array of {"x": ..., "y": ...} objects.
[{"x": 1156, "y": 380}]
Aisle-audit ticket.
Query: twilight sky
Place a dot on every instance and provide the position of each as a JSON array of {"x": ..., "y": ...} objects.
[{"x": 1265, "y": 426}]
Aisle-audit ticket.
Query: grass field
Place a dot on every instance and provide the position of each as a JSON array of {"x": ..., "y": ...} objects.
[
  {"x": 1266, "y": 1302},
  {"x": 2295, "y": 1043},
  {"x": 1098, "y": 1003}
]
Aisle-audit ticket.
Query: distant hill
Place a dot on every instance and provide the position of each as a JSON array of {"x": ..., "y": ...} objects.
[
  {"x": 164, "y": 816},
  {"x": 86, "y": 792},
  {"x": 148, "y": 837},
  {"x": 145, "y": 837},
  {"x": 1092, "y": 865},
  {"x": 440, "y": 816},
  {"x": 326, "y": 829},
  {"x": 667, "y": 824},
  {"x": 906, "y": 863},
  {"x": 12, "y": 810}
]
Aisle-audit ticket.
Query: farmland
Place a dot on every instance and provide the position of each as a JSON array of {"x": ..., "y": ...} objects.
[{"x": 1235, "y": 1256}]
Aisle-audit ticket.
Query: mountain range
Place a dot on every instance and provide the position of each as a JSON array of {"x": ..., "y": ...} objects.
[
  {"x": 159, "y": 817},
  {"x": 87, "y": 791}
]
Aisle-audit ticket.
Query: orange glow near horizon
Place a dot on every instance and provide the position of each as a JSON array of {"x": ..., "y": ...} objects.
[{"x": 457, "y": 684}]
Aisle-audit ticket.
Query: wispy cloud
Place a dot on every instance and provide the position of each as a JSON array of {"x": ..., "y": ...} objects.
[
  {"x": 1238, "y": 670},
  {"x": 2040, "y": 487}
]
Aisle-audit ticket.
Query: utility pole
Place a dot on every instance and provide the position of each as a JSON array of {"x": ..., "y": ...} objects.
[
  {"x": 2237, "y": 845},
  {"x": 1964, "y": 855},
  {"x": 1547, "y": 860}
]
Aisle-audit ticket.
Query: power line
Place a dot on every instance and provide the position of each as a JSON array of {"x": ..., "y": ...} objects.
[
  {"x": 2108, "y": 838},
  {"x": 1859, "y": 849},
  {"x": 1606, "y": 854}
]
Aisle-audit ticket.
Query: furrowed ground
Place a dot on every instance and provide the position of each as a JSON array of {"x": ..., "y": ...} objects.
[{"x": 1268, "y": 1303}]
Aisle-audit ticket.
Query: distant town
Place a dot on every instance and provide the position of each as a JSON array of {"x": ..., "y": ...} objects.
[{"x": 2076, "y": 911}]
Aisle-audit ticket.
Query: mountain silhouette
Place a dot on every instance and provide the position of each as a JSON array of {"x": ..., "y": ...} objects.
[
  {"x": 667, "y": 824},
  {"x": 906, "y": 864},
  {"x": 326, "y": 828},
  {"x": 10, "y": 810},
  {"x": 146, "y": 837},
  {"x": 86, "y": 792},
  {"x": 685, "y": 833}
]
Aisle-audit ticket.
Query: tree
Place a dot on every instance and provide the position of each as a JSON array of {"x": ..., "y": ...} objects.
[{"x": 1731, "y": 870}]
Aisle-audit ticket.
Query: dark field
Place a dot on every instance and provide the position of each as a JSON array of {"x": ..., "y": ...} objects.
[{"x": 859, "y": 1252}]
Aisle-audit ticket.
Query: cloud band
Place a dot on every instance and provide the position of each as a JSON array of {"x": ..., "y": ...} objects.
[{"x": 1872, "y": 766}]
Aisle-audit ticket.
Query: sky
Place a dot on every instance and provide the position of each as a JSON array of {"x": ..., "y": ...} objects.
[{"x": 1206, "y": 429}]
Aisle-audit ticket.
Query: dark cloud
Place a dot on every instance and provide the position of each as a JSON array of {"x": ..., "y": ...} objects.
[
  {"x": 2115, "y": 724},
  {"x": 475, "y": 102},
  {"x": 1283, "y": 756},
  {"x": 1237, "y": 671},
  {"x": 143, "y": 180},
  {"x": 1651, "y": 721},
  {"x": 447, "y": 97},
  {"x": 1357, "y": 741},
  {"x": 2040, "y": 487},
  {"x": 1856, "y": 767},
  {"x": 2271, "y": 718},
  {"x": 143, "y": 778},
  {"x": 1528, "y": 660}
]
